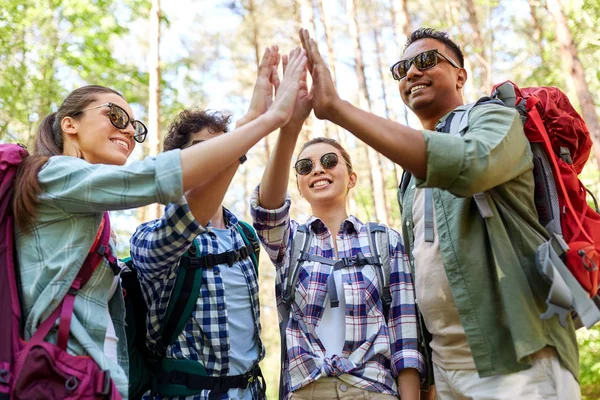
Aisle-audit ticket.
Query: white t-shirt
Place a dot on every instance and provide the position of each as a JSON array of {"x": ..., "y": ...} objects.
[{"x": 331, "y": 330}]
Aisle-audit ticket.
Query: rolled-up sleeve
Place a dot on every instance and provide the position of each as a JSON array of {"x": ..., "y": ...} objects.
[
  {"x": 493, "y": 150},
  {"x": 157, "y": 246},
  {"x": 272, "y": 226},
  {"x": 76, "y": 186},
  {"x": 402, "y": 322}
]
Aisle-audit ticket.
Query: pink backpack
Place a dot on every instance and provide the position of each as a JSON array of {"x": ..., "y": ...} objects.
[{"x": 38, "y": 369}]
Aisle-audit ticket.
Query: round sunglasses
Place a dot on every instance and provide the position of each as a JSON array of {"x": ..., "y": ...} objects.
[
  {"x": 120, "y": 119},
  {"x": 425, "y": 60},
  {"x": 305, "y": 166}
]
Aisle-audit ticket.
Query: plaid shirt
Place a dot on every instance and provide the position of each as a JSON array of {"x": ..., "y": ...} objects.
[
  {"x": 156, "y": 248},
  {"x": 373, "y": 352}
]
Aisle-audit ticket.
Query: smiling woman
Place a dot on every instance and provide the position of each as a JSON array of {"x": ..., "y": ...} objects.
[
  {"x": 63, "y": 192},
  {"x": 347, "y": 276}
]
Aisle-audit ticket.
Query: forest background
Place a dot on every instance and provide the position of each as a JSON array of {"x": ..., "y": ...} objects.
[{"x": 166, "y": 57}]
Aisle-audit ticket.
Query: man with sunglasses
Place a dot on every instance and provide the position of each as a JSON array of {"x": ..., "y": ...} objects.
[{"x": 476, "y": 281}]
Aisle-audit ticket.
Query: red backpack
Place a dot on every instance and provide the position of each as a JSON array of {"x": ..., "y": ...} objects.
[
  {"x": 38, "y": 369},
  {"x": 561, "y": 145}
]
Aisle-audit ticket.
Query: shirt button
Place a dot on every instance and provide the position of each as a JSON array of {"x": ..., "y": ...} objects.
[
  {"x": 413, "y": 186},
  {"x": 407, "y": 223},
  {"x": 343, "y": 387},
  {"x": 217, "y": 272},
  {"x": 220, "y": 308},
  {"x": 223, "y": 347}
]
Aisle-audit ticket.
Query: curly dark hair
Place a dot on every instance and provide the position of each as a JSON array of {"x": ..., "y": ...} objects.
[
  {"x": 443, "y": 37},
  {"x": 192, "y": 121}
]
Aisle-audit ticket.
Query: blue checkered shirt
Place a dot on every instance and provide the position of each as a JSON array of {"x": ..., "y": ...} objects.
[
  {"x": 374, "y": 351},
  {"x": 156, "y": 248}
]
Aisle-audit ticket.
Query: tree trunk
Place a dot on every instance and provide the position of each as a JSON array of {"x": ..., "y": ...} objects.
[
  {"x": 486, "y": 71},
  {"x": 574, "y": 68},
  {"x": 333, "y": 130},
  {"x": 376, "y": 175},
  {"x": 153, "y": 210},
  {"x": 538, "y": 31},
  {"x": 255, "y": 42},
  {"x": 401, "y": 23},
  {"x": 375, "y": 22}
]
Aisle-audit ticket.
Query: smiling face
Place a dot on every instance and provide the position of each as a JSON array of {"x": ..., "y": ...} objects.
[
  {"x": 94, "y": 137},
  {"x": 325, "y": 186},
  {"x": 432, "y": 93}
]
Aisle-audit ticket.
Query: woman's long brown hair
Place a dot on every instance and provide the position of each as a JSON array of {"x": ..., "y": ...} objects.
[{"x": 48, "y": 143}]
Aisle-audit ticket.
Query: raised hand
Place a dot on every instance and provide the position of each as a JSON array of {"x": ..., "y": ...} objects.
[
  {"x": 287, "y": 93},
  {"x": 324, "y": 94},
  {"x": 266, "y": 85},
  {"x": 303, "y": 104}
]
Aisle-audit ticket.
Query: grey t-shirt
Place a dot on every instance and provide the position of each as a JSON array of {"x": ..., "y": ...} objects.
[{"x": 244, "y": 349}]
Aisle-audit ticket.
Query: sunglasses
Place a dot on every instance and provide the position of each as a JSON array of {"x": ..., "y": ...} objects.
[
  {"x": 305, "y": 166},
  {"x": 120, "y": 119},
  {"x": 425, "y": 60}
]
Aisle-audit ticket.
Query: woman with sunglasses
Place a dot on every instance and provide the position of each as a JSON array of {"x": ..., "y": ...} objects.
[
  {"x": 348, "y": 351},
  {"x": 75, "y": 174}
]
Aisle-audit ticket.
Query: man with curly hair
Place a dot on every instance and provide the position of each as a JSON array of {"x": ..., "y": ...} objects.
[{"x": 220, "y": 341}]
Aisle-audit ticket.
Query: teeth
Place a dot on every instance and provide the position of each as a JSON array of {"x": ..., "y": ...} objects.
[
  {"x": 121, "y": 142},
  {"x": 321, "y": 183},
  {"x": 418, "y": 87}
]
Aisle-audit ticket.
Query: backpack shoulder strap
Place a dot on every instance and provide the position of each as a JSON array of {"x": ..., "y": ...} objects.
[
  {"x": 183, "y": 298},
  {"x": 379, "y": 243},
  {"x": 299, "y": 247},
  {"x": 100, "y": 249},
  {"x": 456, "y": 124},
  {"x": 250, "y": 238}
]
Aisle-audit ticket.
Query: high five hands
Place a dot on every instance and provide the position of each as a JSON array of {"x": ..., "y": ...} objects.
[
  {"x": 324, "y": 96},
  {"x": 279, "y": 96}
]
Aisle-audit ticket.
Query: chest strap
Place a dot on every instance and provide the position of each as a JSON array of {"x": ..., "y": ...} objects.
[
  {"x": 355, "y": 261},
  {"x": 210, "y": 260}
]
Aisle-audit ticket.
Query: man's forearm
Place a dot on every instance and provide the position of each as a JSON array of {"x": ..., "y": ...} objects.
[
  {"x": 205, "y": 200},
  {"x": 403, "y": 145}
]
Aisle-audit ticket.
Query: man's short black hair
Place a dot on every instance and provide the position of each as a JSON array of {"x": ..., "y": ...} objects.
[
  {"x": 192, "y": 121},
  {"x": 430, "y": 33}
]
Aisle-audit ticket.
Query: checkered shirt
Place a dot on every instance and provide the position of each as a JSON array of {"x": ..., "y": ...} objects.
[
  {"x": 156, "y": 248},
  {"x": 374, "y": 352}
]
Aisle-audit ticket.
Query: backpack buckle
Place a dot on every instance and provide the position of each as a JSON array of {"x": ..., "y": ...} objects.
[
  {"x": 232, "y": 257},
  {"x": 4, "y": 376}
]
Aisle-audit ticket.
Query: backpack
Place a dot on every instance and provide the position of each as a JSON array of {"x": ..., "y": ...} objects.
[
  {"x": 38, "y": 369},
  {"x": 561, "y": 144},
  {"x": 377, "y": 235},
  {"x": 149, "y": 369}
]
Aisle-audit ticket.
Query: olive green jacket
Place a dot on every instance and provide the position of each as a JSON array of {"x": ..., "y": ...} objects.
[{"x": 490, "y": 263}]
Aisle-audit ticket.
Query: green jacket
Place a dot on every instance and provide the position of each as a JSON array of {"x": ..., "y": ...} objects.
[{"x": 490, "y": 263}]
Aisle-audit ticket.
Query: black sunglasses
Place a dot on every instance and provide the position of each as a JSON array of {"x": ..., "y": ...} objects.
[
  {"x": 120, "y": 119},
  {"x": 305, "y": 166},
  {"x": 425, "y": 60}
]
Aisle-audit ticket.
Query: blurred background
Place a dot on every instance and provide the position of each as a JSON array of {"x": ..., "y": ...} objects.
[{"x": 165, "y": 56}]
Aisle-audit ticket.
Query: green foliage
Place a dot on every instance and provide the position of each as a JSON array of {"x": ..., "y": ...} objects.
[
  {"x": 589, "y": 345},
  {"x": 49, "y": 48}
]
